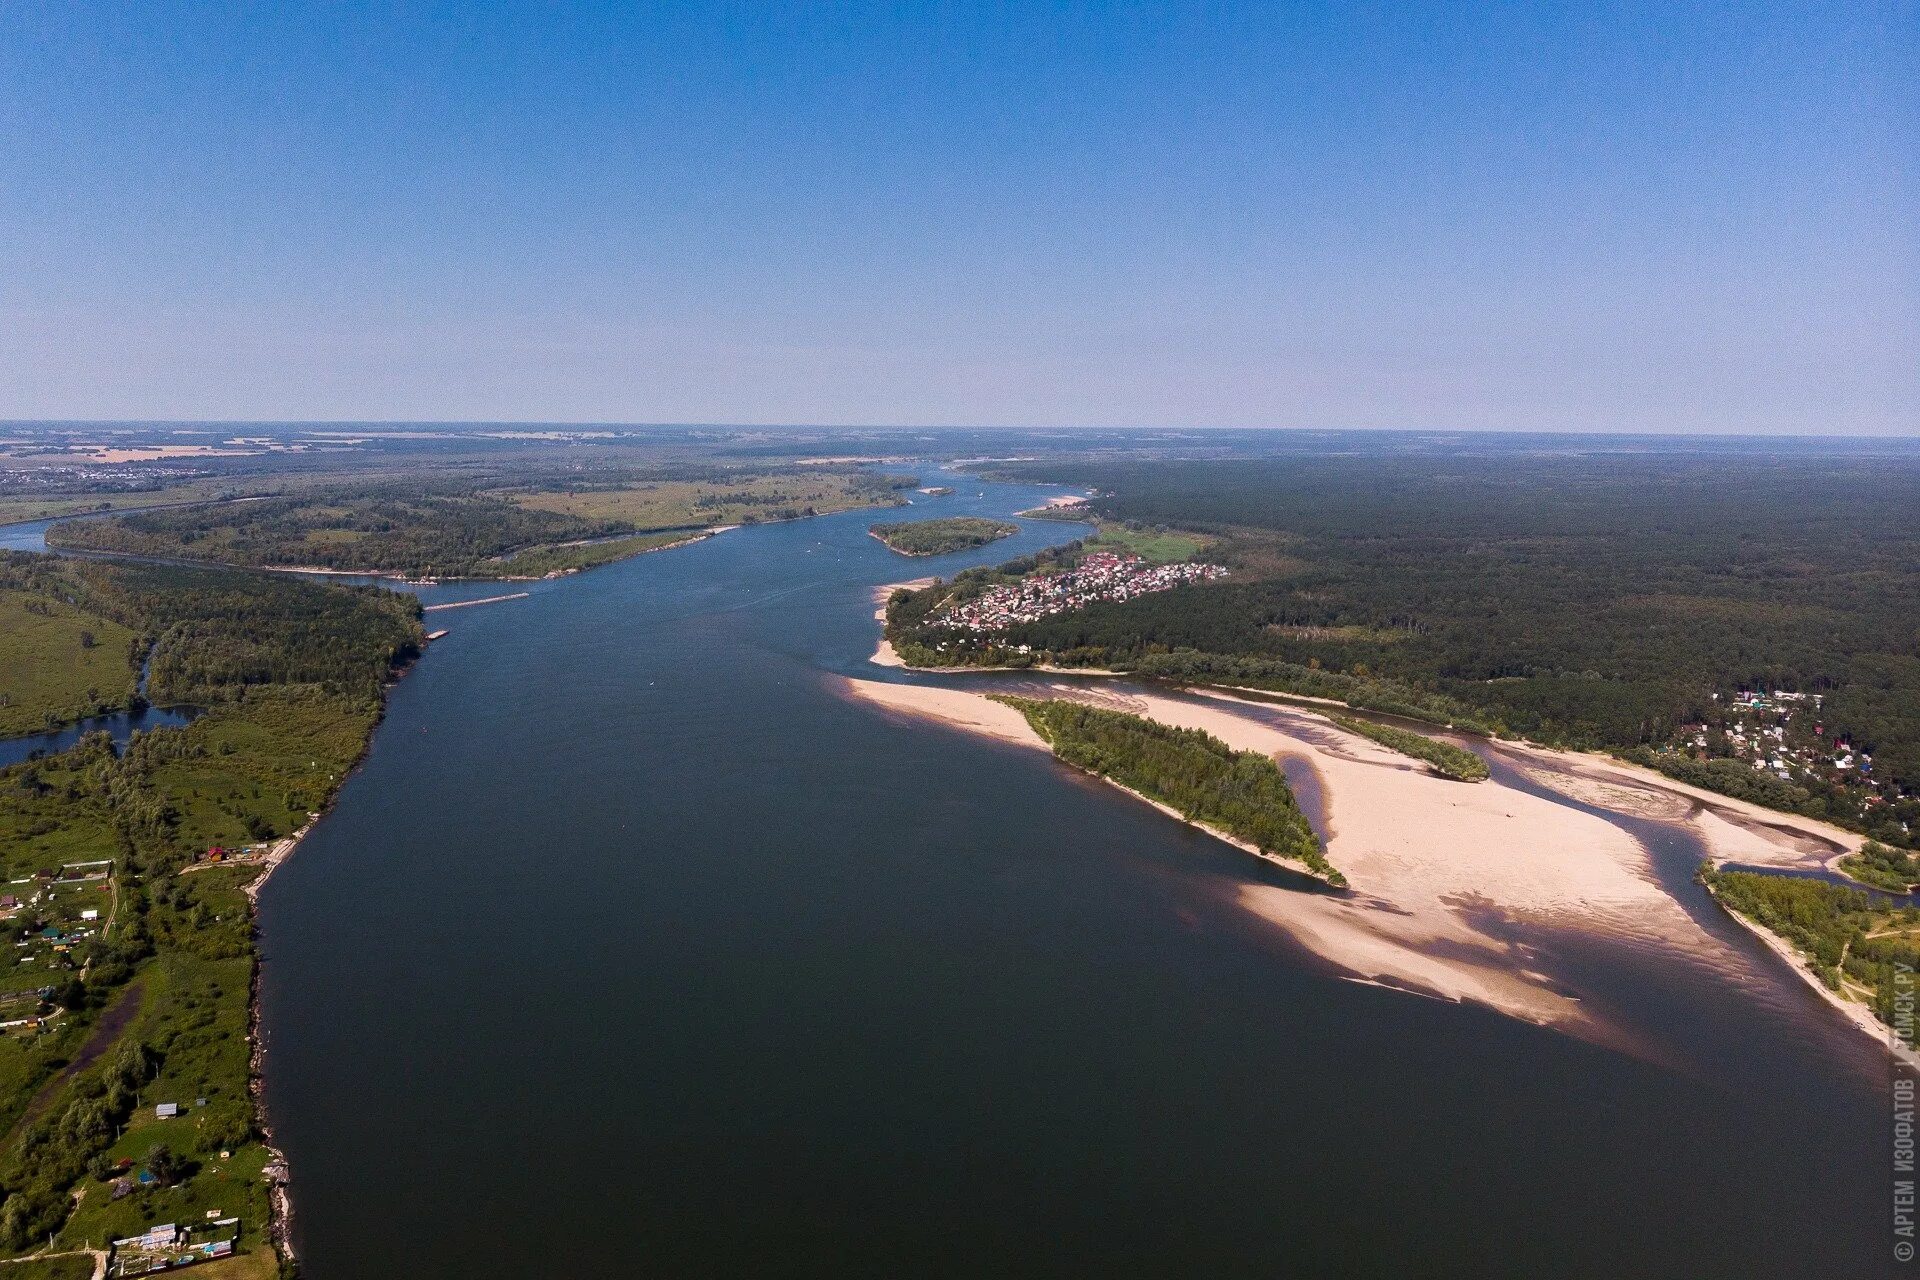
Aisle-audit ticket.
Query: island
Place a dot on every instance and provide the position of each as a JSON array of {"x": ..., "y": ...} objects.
[
  {"x": 531, "y": 521},
  {"x": 938, "y": 537},
  {"x": 1240, "y": 796},
  {"x": 1443, "y": 758}
]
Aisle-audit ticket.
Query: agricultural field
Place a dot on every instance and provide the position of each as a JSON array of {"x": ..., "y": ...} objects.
[{"x": 1152, "y": 543}]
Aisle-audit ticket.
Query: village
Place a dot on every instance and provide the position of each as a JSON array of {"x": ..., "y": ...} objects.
[
  {"x": 1096, "y": 577},
  {"x": 1781, "y": 733},
  {"x": 171, "y": 1245},
  {"x": 46, "y": 916}
]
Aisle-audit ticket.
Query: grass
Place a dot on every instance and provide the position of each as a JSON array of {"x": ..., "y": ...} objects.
[
  {"x": 1151, "y": 543},
  {"x": 73, "y": 1266},
  {"x": 1443, "y": 758},
  {"x": 58, "y": 663}
]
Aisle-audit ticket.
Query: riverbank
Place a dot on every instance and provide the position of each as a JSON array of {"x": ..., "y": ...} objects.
[
  {"x": 277, "y": 1171},
  {"x": 1445, "y": 877},
  {"x": 1436, "y": 876},
  {"x": 1855, "y": 1012}
]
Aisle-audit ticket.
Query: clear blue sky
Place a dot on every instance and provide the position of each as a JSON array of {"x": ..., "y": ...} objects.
[{"x": 1570, "y": 216}]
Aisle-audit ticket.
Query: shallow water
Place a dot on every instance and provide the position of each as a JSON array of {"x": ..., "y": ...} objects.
[{"x": 635, "y": 950}]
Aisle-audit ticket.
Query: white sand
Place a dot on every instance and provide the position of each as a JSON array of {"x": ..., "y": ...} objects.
[
  {"x": 883, "y": 654},
  {"x": 1734, "y": 830},
  {"x": 1435, "y": 865}
]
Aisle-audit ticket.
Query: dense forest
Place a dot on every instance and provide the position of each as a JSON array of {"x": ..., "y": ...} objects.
[
  {"x": 484, "y": 525},
  {"x": 1588, "y": 602},
  {"x": 290, "y": 677},
  {"x": 1241, "y": 793},
  {"x": 1856, "y": 943},
  {"x": 399, "y": 530},
  {"x": 938, "y": 537}
]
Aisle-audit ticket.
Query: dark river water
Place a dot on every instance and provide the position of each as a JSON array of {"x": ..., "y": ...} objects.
[{"x": 634, "y": 949}]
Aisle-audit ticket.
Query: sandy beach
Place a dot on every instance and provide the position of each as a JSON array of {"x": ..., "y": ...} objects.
[
  {"x": 1432, "y": 863},
  {"x": 883, "y": 654},
  {"x": 1449, "y": 879},
  {"x": 1734, "y": 830}
]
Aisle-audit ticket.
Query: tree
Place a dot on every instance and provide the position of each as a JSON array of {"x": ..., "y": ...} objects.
[{"x": 166, "y": 1167}]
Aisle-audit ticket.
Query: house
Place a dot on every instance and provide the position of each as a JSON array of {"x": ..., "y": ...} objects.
[
  {"x": 90, "y": 914},
  {"x": 166, "y": 1110}
]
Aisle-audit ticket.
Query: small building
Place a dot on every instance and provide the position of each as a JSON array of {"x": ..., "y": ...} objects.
[{"x": 167, "y": 1110}]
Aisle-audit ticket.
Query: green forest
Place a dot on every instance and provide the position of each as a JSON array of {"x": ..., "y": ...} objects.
[
  {"x": 1242, "y": 793},
  {"x": 1858, "y": 944},
  {"x": 1894, "y": 870},
  {"x": 399, "y": 530},
  {"x": 938, "y": 537},
  {"x": 1584, "y": 602},
  {"x": 146, "y": 999},
  {"x": 1443, "y": 758},
  {"x": 485, "y": 524}
]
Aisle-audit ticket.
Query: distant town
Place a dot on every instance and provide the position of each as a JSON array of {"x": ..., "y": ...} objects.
[{"x": 1099, "y": 576}]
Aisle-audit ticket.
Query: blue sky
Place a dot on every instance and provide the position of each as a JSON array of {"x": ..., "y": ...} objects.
[{"x": 1586, "y": 216}]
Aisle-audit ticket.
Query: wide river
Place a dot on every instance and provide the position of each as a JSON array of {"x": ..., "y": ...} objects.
[{"x": 634, "y": 949}]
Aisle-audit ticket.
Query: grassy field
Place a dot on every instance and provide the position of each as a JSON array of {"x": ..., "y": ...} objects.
[
  {"x": 58, "y": 663},
  {"x": 690, "y": 504},
  {"x": 452, "y": 526},
  {"x": 68, "y": 1267},
  {"x": 1151, "y": 543}
]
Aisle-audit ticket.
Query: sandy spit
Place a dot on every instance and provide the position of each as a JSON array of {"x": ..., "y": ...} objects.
[
  {"x": 1734, "y": 830},
  {"x": 1435, "y": 865},
  {"x": 883, "y": 655}
]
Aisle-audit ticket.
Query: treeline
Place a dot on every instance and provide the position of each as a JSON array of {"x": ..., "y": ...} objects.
[
  {"x": 541, "y": 562},
  {"x": 290, "y": 673},
  {"x": 1894, "y": 870},
  {"x": 1586, "y": 602},
  {"x": 938, "y": 537},
  {"x": 388, "y": 530},
  {"x": 1445, "y": 759},
  {"x": 1842, "y": 932},
  {"x": 208, "y": 632},
  {"x": 1242, "y": 793}
]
